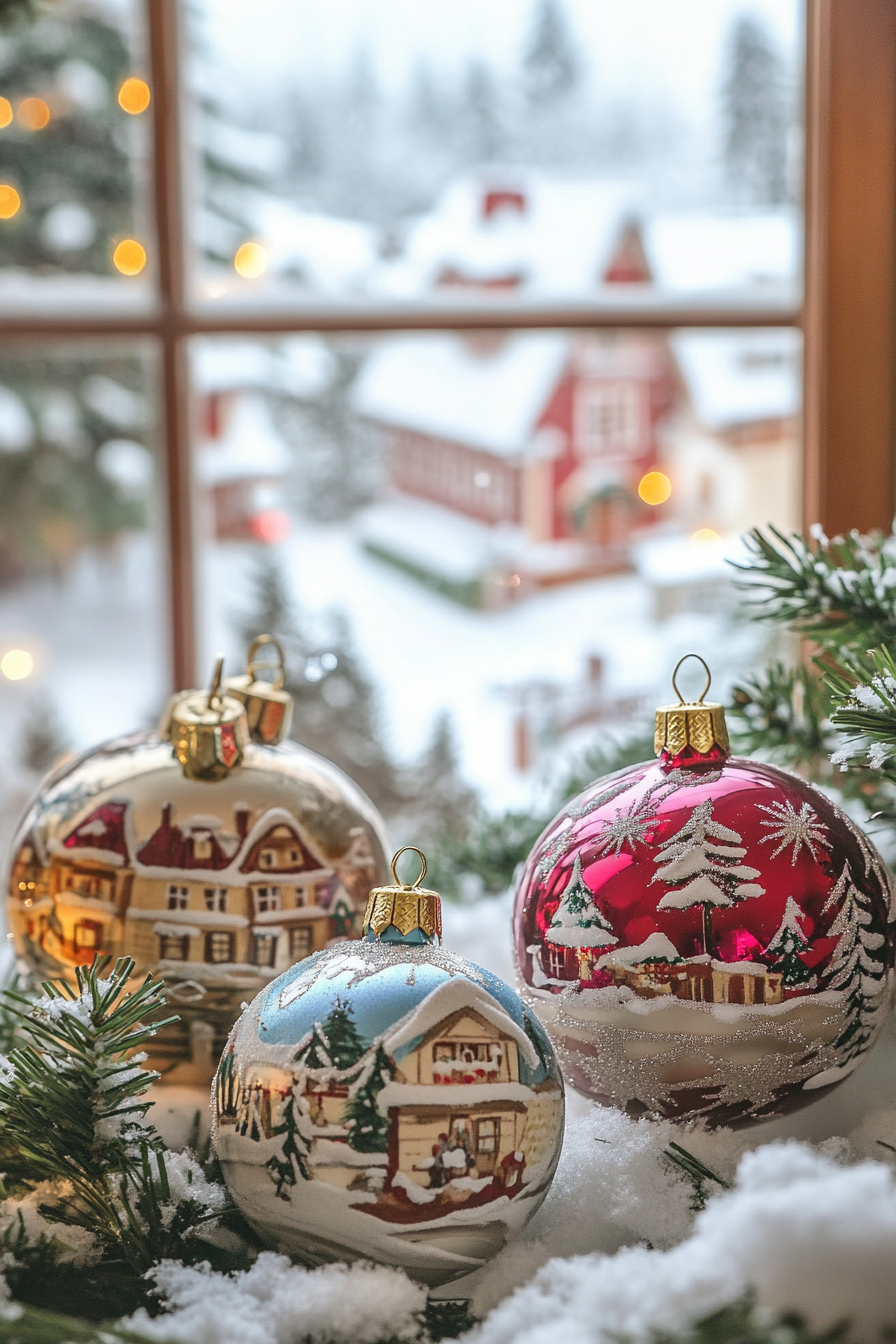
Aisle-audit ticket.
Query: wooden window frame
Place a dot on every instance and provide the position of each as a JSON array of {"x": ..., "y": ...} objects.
[{"x": 848, "y": 317}]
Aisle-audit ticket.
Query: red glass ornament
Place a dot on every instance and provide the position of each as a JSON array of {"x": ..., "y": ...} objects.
[{"x": 704, "y": 936}]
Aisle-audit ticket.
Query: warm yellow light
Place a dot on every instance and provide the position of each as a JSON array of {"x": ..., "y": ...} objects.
[
  {"x": 129, "y": 257},
  {"x": 704, "y": 535},
  {"x": 654, "y": 488},
  {"x": 34, "y": 114},
  {"x": 16, "y": 664},
  {"x": 5, "y": 112},
  {"x": 133, "y": 96},
  {"x": 251, "y": 260},
  {"x": 10, "y": 200}
]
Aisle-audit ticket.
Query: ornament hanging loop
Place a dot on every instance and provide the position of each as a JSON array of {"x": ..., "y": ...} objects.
[
  {"x": 214, "y": 696},
  {"x": 409, "y": 849},
  {"x": 253, "y": 663},
  {"x": 683, "y": 659}
]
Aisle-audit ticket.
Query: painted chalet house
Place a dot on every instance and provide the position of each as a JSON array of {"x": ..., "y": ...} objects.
[
  {"x": 189, "y": 898},
  {"x": 466, "y": 1103}
]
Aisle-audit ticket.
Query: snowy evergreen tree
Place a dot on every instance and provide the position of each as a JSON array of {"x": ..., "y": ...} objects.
[
  {"x": 550, "y": 61},
  {"x": 441, "y": 805},
  {"x": 578, "y": 922},
  {"x": 294, "y": 1128},
  {"x": 368, "y": 1130},
  {"x": 757, "y": 115},
  {"x": 344, "y": 1043},
  {"x": 704, "y": 857},
  {"x": 857, "y": 964},
  {"x": 339, "y": 456},
  {"x": 786, "y": 947},
  {"x": 313, "y": 1054},
  {"x": 481, "y": 122},
  {"x": 44, "y": 738}
]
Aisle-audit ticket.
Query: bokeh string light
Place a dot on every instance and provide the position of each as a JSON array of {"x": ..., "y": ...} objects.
[
  {"x": 5, "y": 113},
  {"x": 33, "y": 114},
  {"x": 10, "y": 201},
  {"x": 129, "y": 257},
  {"x": 251, "y": 260},
  {"x": 16, "y": 664},
  {"x": 134, "y": 96},
  {"x": 654, "y": 487}
]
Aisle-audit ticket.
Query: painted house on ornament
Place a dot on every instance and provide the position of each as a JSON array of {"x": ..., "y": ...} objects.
[
  {"x": 467, "y": 1102},
  {"x": 191, "y": 898}
]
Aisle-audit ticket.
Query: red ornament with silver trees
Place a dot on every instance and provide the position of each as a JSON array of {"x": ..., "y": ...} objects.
[{"x": 705, "y": 936}]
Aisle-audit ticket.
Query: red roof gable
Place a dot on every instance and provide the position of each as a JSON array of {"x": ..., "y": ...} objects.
[
  {"x": 169, "y": 847},
  {"x": 102, "y": 829}
]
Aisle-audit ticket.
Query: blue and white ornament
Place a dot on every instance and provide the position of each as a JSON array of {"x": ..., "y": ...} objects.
[{"x": 389, "y": 1100}]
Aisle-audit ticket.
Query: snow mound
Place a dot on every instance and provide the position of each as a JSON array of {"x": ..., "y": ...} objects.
[{"x": 276, "y": 1302}]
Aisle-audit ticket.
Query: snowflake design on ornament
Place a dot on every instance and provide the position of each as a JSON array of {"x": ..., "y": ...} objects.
[
  {"x": 629, "y": 827},
  {"x": 794, "y": 828}
]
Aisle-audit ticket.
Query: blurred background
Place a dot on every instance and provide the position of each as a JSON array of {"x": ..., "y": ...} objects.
[{"x": 484, "y": 549}]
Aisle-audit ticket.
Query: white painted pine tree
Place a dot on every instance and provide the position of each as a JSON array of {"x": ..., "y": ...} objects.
[
  {"x": 701, "y": 866},
  {"x": 786, "y": 947},
  {"x": 578, "y": 922},
  {"x": 857, "y": 965}
]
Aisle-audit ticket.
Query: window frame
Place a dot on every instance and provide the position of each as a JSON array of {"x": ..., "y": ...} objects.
[{"x": 848, "y": 316}]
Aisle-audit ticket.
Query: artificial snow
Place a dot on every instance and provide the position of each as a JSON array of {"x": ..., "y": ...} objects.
[{"x": 276, "y": 1302}]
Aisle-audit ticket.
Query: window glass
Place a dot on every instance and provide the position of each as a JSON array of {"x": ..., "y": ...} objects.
[
  {"x": 485, "y": 553},
  {"x": 83, "y": 638},
  {"x": 387, "y": 150},
  {"x": 74, "y": 136}
]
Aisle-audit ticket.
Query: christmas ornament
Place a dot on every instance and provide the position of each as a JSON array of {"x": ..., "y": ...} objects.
[
  {"x": 212, "y": 852},
  {"x": 703, "y": 935},
  {"x": 389, "y": 1100}
]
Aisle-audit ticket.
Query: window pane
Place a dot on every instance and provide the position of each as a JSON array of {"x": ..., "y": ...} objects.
[
  {"x": 492, "y": 546},
  {"x": 83, "y": 639},
  {"x": 384, "y": 149},
  {"x": 74, "y": 138}
]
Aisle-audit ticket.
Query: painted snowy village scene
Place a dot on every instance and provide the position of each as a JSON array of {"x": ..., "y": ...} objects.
[
  {"x": 124, "y": 856},
  {"x": 706, "y": 941},
  {"x": 367, "y": 1102}
]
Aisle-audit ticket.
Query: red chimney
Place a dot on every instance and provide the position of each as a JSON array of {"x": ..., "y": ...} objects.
[
  {"x": 166, "y": 815},
  {"x": 503, "y": 199},
  {"x": 241, "y": 819}
]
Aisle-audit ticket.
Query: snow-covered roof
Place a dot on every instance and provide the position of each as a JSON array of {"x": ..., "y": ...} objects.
[
  {"x": 300, "y": 366},
  {"x": 697, "y": 251},
  {"x": 657, "y": 946},
  {"x": 328, "y": 254},
  {"x": 250, "y": 447},
  {"x": 488, "y": 396},
  {"x": 450, "y": 997},
  {"x": 740, "y": 377},
  {"x": 675, "y": 559},
  {"x": 559, "y": 242}
]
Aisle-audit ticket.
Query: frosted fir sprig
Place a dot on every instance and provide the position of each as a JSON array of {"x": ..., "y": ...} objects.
[
  {"x": 72, "y": 1124},
  {"x": 865, "y": 710},
  {"x": 842, "y": 591}
]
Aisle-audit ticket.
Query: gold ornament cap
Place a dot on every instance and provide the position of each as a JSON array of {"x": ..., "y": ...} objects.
[
  {"x": 209, "y": 731},
  {"x": 404, "y": 906},
  {"x": 697, "y": 724},
  {"x": 268, "y": 706}
]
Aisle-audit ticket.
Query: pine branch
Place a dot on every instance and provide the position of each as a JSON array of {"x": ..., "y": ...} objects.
[
  {"x": 842, "y": 592},
  {"x": 864, "y": 694},
  {"x": 72, "y": 1109},
  {"x": 697, "y": 1173}
]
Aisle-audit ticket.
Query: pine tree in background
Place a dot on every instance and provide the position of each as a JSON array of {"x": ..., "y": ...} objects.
[
  {"x": 480, "y": 121},
  {"x": 336, "y": 709},
  {"x": 75, "y": 175},
  {"x": 550, "y": 63},
  {"x": 44, "y": 738},
  {"x": 313, "y": 1054},
  {"x": 757, "y": 115},
  {"x": 368, "y": 1129},
  {"x": 786, "y": 948}
]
